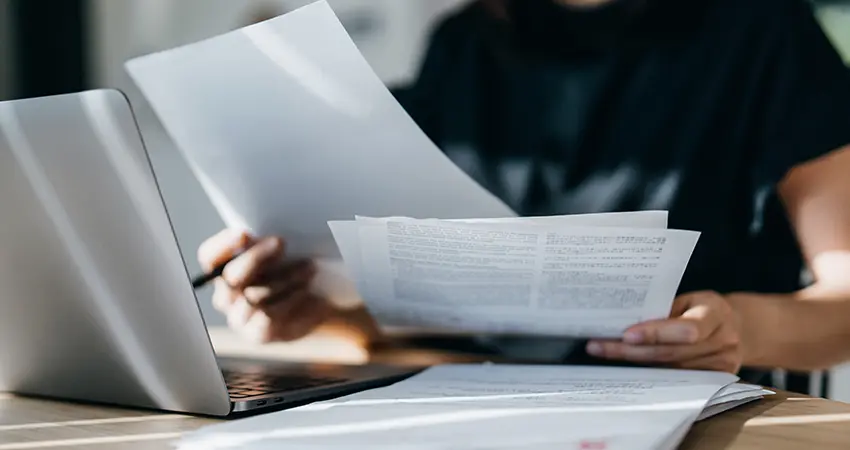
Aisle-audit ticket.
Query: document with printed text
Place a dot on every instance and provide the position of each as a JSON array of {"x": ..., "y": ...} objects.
[
  {"x": 573, "y": 276},
  {"x": 495, "y": 407}
]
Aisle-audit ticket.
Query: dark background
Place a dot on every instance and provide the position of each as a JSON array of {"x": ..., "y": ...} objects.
[{"x": 49, "y": 54}]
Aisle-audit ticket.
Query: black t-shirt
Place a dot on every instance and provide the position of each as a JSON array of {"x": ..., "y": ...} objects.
[{"x": 695, "y": 107}]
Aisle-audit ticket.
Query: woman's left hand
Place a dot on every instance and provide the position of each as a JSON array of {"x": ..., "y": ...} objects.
[{"x": 702, "y": 333}]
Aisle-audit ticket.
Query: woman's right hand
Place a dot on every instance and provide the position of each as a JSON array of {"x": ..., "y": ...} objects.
[{"x": 264, "y": 296}]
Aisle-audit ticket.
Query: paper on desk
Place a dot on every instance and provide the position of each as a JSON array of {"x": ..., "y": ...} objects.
[
  {"x": 739, "y": 391},
  {"x": 286, "y": 126},
  {"x": 728, "y": 398},
  {"x": 488, "y": 407},
  {"x": 731, "y": 397},
  {"x": 525, "y": 277}
]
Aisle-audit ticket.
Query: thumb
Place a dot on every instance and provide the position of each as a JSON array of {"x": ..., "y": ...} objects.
[
  {"x": 694, "y": 317},
  {"x": 686, "y": 302}
]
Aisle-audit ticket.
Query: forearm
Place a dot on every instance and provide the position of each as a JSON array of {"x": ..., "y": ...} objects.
[{"x": 809, "y": 330}]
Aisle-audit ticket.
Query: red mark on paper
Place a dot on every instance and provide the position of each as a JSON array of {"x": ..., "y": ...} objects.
[{"x": 593, "y": 445}]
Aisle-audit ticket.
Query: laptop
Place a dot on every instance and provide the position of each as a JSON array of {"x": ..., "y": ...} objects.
[{"x": 96, "y": 303}]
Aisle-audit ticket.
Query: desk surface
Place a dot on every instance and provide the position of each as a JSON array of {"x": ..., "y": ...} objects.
[{"x": 785, "y": 421}]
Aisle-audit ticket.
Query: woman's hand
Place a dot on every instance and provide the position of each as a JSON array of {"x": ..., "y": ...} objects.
[
  {"x": 703, "y": 333},
  {"x": 265, "y": 296}
]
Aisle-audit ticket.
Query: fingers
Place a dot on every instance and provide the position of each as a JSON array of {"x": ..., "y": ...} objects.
[
  {"x": 283, "y": 321},
  {"x": 681, "y": 304},
  {"x": 239, "y": 313},
  {"x": 309, "y": 312},
  {"x": 696, "y": 357},
  {"x": 220, "y": 248},
  {"x": 223, "y": 296},
  {"x": 699, "y": 316},
  {"x": 263, "y": 296},
  {"x": 662, "y": 354},
  {"x": 703, "y": 336},
  {"x": 295, "y": 277},
  {"x": 286, "y": 272},
  {"x": 247, "y": 268}
]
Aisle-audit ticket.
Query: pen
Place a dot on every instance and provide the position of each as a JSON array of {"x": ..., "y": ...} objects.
[{"x": 202, "y": 280}]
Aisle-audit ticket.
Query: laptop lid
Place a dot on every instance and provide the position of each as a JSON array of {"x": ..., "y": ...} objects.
[{"x": 95, "y": 300}]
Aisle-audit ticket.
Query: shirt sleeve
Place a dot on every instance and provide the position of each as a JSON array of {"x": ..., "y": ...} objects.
[{"x": 806, "y": 94}]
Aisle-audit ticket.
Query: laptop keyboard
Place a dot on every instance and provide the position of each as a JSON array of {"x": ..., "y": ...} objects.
[{"x": 245, "y": 385}]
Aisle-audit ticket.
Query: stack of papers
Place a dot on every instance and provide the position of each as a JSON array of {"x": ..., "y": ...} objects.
[
  {"x": 731, "y": 397},
  {"x": 498, "y": 407},
  {"x": 585, "y": 276}
]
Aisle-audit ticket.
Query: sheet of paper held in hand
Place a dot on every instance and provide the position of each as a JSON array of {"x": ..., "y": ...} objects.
[
  {"x": 286, "y": 126},
  {"x": 573, "y": 276},
  {"x": 496, "y": 407}
]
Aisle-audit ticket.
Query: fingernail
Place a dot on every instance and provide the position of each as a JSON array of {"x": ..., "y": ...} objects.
[
  {"x": 594, "y": 348},
  {"x": 633, "y": 337},
  {"x": 271, "y": 245},
  {"x": 678, "y": 333}
]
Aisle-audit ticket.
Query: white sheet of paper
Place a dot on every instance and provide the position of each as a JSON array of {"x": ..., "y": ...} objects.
[
  {"x": 488, "y": 407},
  {"x": 486, "y": 430},
  {"x": 346, "y": 233},
  {"x": 636, "y": 219},
  {"x": 513, "y": 277},
  {"x": 732, "y": 397},
  {"x": 738, "y": 391},
  {"x": 726, "y": 399},
  {"x": 286, "y": 126},
  {"x": 720, "y": 408},
  {"x": 674, "y": 439}
]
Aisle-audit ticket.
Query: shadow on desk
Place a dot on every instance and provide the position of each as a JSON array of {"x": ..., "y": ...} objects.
[
  {"x": 785, "y": 420},
  {"x": 723, "y": 435}
]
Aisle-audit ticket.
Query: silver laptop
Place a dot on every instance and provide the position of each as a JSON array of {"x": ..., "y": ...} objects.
[{"x": 96, "y": 304}]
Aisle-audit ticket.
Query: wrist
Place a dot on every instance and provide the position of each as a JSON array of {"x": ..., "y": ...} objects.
[{"x": 756, "y": 318}]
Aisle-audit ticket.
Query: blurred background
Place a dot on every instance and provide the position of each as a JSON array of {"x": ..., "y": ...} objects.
[{"x": 56, "y": 46}]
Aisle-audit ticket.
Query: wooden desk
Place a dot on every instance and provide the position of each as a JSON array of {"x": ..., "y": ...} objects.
[{"x": 783, "y": 422}]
